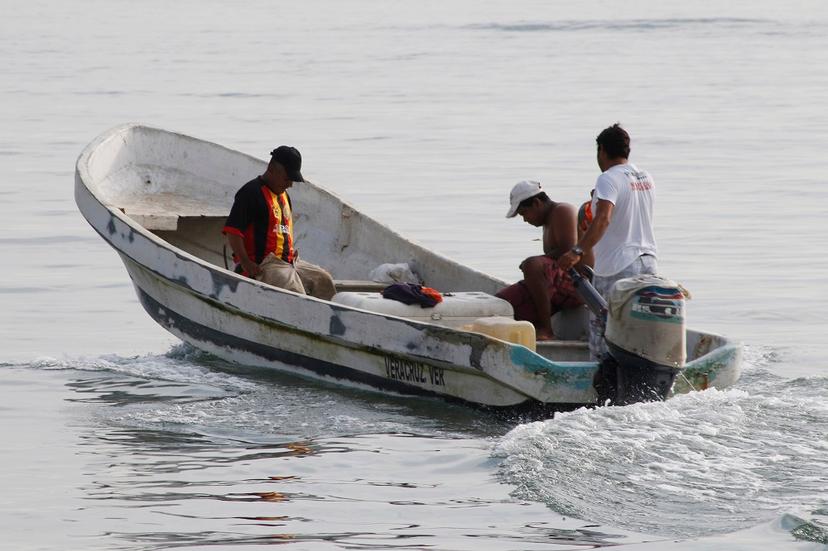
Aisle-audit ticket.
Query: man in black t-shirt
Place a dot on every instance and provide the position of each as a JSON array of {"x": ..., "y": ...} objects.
[{"x": 259, "y": 229}]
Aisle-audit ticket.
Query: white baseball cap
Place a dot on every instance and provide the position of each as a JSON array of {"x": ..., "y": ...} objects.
[{"x": 520, "y": 193}]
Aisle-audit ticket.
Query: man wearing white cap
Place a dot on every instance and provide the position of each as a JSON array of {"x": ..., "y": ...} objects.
[{"x": 545, "y": 288}]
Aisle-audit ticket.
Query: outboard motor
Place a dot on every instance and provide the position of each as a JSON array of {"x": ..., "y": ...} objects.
[{"x": 645, "y": 336}]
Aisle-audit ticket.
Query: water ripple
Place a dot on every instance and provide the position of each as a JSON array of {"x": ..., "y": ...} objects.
[{"x": 618, "y": 25}]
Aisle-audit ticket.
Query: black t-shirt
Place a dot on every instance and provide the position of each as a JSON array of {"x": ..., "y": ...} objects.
[{"x": 251, "y": 217}]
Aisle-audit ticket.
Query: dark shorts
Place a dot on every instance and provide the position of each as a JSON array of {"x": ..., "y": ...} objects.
[{"x": 562, "y": 293}]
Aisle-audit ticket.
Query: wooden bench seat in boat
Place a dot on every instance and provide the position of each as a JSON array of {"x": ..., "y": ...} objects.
[
  {"x": 357, "y": 286},
  {"x": 161, "y": 211}
]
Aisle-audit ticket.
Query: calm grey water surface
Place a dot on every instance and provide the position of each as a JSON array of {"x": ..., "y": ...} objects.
[{"x": 423, "y": 114}]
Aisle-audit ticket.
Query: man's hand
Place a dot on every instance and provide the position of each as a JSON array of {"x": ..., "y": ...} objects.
[
  {"x": 237, "y": 244},
  {"x": 568, "y": 260},
  {"x": 251, "y": 268}
]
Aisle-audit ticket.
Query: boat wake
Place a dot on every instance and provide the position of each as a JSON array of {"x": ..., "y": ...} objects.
[
  {"x": 181, "y": 364},
  {"x": 702, "y": 463}
]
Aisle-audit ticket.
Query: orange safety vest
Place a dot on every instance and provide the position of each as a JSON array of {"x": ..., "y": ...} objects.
[{"x": 280, "y": 227}]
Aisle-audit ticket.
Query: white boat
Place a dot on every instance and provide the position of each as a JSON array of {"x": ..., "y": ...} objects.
[{"x": 160, "y": 200}]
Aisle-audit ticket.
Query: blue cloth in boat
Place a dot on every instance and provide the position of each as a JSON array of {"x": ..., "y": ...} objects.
[{"x": 409, "y": 293}]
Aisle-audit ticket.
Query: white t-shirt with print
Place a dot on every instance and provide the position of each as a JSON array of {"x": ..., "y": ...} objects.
[{"x": 630, "y": 232}]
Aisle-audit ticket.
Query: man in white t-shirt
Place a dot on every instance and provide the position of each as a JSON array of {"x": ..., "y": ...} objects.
[{"x": 621, "y": 232}]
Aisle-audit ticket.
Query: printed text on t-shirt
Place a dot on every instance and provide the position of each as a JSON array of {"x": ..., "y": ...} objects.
[{"x": 641, "y": 182}]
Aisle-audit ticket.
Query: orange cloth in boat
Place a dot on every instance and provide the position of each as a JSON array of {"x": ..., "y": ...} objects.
[{"x": 433, "y": 293}]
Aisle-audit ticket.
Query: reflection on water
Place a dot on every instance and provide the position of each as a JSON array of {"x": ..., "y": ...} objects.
[
  {"x": 422, "y": 493},
  {"x": 166, "y": 463},
  {"x": 125, "y": 391}
]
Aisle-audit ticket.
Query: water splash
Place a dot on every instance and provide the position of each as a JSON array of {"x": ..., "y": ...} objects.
[{"x": 700, "y": 463}]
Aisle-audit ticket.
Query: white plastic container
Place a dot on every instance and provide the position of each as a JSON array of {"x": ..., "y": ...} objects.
[{"x": 457, "y": 309}]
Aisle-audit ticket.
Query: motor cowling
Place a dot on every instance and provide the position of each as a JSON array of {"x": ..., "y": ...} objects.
[{"x": 646, "y": 336}]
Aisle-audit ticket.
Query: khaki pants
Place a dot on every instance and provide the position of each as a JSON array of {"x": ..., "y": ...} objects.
[{"x": 300, "y": 277}]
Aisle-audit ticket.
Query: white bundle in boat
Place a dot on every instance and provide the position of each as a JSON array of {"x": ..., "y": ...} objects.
[{"x": 394, "y": 273}]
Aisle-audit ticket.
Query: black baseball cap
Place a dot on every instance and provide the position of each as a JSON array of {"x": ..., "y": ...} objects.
[{"x": 290, "y": 158}]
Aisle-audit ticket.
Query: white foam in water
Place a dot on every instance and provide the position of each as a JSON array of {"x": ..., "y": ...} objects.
[
  {"x": 223, "y": 413},
  {"x": 176, "y": 366},
  {"x": 699, "y": 463}
]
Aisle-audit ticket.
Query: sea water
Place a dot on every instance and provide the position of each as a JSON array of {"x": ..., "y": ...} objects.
[{"x": 422, "y": 114}]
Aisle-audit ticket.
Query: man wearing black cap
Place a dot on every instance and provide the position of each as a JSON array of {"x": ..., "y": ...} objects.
[{"x": 260, "y": 230}]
